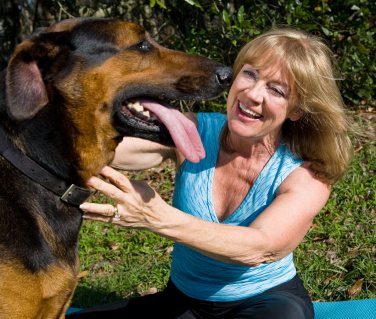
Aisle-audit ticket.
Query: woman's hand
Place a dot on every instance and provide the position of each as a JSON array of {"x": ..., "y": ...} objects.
[{"x": 139, "y": 206}]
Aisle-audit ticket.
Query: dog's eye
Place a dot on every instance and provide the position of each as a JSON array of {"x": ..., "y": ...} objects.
[{"x": 143, "y": 46}]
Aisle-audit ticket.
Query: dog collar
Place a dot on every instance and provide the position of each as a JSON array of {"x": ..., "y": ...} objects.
[{"x": 69, "y": 193}]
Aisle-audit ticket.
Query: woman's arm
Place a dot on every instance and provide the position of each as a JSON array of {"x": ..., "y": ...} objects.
[
  {"x": 138, "y": 154},
  {"x": 272, "y": 236}
]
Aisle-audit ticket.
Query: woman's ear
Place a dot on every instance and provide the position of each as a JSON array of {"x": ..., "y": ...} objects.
[
  {"x": 295, "y": 111},
  {"x": 295, "y": 115}
]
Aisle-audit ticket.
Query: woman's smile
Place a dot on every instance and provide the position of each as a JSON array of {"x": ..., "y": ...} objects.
[{"x": 247, "y": 112}]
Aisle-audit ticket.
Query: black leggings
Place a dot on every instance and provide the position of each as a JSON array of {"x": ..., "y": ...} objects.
[{"x": 289, "y": 300}]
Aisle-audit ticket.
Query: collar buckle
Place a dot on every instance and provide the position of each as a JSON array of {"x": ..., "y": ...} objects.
[{"x": 70, "y": 191}]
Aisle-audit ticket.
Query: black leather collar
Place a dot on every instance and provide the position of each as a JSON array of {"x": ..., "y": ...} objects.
[{"x": 68, "y": 193}]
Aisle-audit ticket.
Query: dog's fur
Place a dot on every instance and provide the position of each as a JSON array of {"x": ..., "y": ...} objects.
[{"x": 60, "y": 104}]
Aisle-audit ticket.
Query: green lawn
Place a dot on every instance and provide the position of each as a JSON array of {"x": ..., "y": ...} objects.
[
  {"x": 340, "y": 247},
  {"x": 336, "y": 260}
]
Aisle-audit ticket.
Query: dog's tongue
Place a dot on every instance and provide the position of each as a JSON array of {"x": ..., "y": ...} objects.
[{"x": 182, "y": 130}]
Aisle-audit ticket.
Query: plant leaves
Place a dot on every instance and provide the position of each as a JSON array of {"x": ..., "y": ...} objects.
[
  {"x": 309, "y": 26},
  {"x": 246, "y": 24},
  {"x": 326, "y": 31},
  {"x": 318, "y": 238},
  {"x": 214, "y": 9},
  {"x": 356, "y": 288},
  {"x": 82, "y": 274},
  {"x": 150, "y": 291},
  {"x": 328, "y": 280},
  {"x": 161, "y": 4},
  {"x": 226, "y": 18},
  {"x": 362, "y": 49},
  {"x": 241, "y": 14},
  {"x": 113, "y": 245},
  {"x": 194, "y": 3}
]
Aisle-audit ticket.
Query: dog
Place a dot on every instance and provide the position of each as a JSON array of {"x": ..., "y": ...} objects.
[{"x": 63, "y": 111}]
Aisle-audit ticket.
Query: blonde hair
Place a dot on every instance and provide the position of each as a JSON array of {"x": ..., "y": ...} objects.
[{"x": 320, "y": 135}]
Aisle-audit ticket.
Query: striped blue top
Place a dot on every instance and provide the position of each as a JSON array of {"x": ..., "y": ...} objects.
[{"x": 201, "y": 277}]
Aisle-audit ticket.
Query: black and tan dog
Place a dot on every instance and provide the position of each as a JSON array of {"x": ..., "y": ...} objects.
[{"x": 63, "y": 103}]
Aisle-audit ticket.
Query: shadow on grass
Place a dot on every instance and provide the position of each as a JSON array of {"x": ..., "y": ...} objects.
[{"x": 87, "y": 297}]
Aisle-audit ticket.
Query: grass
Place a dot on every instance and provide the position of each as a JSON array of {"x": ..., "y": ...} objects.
[
  {"x": 336, "y": 260},
  {"x": 121, "y": 263},
  {"x": 339, "y": 249}
]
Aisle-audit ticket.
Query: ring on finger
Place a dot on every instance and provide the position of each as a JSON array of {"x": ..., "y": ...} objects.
[{"x": 116, "y": 212}]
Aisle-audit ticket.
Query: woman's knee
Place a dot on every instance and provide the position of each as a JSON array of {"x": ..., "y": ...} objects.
[{"x": 276, "y": 306}]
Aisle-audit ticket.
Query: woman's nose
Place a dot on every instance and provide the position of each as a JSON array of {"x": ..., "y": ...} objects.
[{"x": 256, "y": 93}]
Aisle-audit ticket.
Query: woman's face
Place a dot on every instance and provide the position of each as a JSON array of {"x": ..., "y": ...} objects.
[{"x": 259, "y": 102}]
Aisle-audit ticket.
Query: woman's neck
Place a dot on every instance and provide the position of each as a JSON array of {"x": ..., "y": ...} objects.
[{"x": 255, "y": 148}]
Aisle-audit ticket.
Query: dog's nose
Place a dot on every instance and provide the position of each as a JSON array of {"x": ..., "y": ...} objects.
[{"x": 224, "y": 76}]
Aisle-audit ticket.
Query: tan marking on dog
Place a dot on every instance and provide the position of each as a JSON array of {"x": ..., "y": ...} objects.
[
  {"x": 43, "y": 295},
  {"x": 65, "y": 25}
]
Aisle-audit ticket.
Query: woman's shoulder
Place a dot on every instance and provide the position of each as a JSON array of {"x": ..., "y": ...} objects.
[
  {"x": 287, "y": 155},
  {"x": 304, "y": 180}
]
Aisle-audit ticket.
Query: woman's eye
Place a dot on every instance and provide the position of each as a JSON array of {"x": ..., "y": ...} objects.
[
  {"x": 277, "y": 91},
  {"x": 250, "y": 73}
]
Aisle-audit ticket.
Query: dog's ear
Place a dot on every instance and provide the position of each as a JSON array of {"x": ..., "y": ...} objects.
[{"x": 26, "y": 92}]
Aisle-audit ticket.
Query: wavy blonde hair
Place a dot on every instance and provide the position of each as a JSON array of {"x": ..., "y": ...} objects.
[{"x": 320, "y": 136}]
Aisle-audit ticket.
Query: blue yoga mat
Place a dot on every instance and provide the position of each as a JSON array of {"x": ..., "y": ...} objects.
[
  {"x": 353, "y": 309},
  {"x": 71, "y": 310}
]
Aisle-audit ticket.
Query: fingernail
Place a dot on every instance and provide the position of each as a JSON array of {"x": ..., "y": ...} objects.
[
  {"x": 85, "y": 216},
  {"x": 90, "y": 181},
  {"x": 84, "y": 206}
]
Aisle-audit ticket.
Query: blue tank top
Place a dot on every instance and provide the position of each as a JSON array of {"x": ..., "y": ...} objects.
[{"x": 201, "y": 277}]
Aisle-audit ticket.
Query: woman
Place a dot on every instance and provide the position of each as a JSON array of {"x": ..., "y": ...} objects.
[{"x": 239, "y": 213}]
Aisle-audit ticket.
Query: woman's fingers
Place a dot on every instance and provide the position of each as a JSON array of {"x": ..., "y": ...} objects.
[
  {"x": 128, "y": 187},
  {"x": 106, "y": 188},
  {"x": 100, "y": 212},
  {"x": 97, "y": 217},
  {"x": 117, "y": 178},
  {"x": 105, "y": 210}
]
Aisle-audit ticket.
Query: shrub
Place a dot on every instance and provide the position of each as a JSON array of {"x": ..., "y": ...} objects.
[
  {"x": 219, "y": 28},
  {"x": 348, "y": 27}
]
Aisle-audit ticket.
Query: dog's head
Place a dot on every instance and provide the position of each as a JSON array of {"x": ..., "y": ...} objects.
[{"x": 90, "y": 70}]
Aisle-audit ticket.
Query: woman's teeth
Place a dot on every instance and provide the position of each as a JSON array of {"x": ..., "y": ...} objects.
[
  {"x": 139, "y": 108},
  {"x": 242, "y": 107}
]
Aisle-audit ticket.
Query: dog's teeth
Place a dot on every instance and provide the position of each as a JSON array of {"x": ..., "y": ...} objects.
[
  {"x": 146, "y": 113},
  {"x": 138, "y": 107}
]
